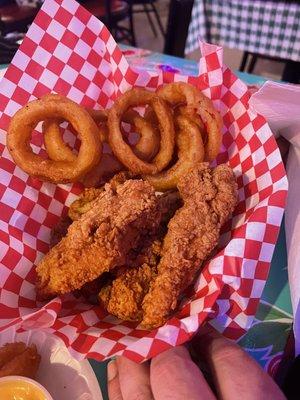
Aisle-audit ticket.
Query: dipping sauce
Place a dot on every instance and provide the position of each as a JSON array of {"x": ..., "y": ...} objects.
[{"x": 19, "y": 389}]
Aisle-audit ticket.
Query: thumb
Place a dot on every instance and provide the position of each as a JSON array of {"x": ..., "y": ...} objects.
[{"x": 113, "y": 384}]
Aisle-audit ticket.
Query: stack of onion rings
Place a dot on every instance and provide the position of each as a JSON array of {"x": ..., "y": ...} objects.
[
  {"x": 190, "y": 152},
  {"x": 197, "y": 105},
  {"x": 146, "y": 147},
  {"x": 177, "y": 116},
  {"x": 135, "y": 98},
  {"x": 58, "y": 107}
]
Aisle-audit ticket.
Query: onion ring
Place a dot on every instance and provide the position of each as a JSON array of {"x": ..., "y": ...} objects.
[
  {"x": 146, "y": 147},
  {"x": 58, "y": 150},
  {"x": 182, "y": 110},
  {"x": 25, "y": 120},
  {"x": 55, "y": 146},
  {"x": 196, "y": 102},
  {"x": 134, "y": 98},
  {"x": 148, "y": 144},
  {"x": 190, "y": 152}
]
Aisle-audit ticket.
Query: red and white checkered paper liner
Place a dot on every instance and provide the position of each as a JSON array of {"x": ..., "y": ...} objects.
[{"x": 69, "y": 51}]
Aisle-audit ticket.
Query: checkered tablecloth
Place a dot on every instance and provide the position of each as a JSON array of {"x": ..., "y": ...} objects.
[{"x": 265, "y": 27}]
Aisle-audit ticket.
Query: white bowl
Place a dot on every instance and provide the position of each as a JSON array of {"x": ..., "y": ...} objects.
[
  {"x": 31, "y": 381},
  {"x": 62, "y": 375}
]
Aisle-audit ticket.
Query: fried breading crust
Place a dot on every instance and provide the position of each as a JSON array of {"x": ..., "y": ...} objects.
[
  {"x": 101, "y": 239},
  {"x": 86, "y": 200},
  {"x": 18, "y": 359},
  {"x": 123, "y": 296},
  {"x": 209, "y": 199}
]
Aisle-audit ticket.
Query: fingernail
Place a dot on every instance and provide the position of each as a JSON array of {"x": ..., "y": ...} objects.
[{"x": 112, "y": 370}]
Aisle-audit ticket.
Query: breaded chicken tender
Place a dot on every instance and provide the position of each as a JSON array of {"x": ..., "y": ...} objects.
[
  {"x": 210, "y": 196},
  {"x": 101, "y": 239},
  {"x": 123, "y": 296},
  {"x": 86, "y": 200}
]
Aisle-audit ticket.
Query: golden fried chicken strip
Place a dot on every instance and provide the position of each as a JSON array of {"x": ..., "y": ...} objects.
[
  {"x": 86, "y": 200},
  {"x": 18, "y": 359},
  {"x": 101, "y": 239},
  {"x": 210, "y": 197},
  {"x": 124, "y": 296}
]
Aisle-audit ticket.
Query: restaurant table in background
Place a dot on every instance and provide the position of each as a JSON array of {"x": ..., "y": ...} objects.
[
  {"x": 266, "y": 339},
  {"x": 270, "y": 28}
]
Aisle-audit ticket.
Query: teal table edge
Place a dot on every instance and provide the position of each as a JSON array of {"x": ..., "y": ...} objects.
[{"x": 147, "y": 60}]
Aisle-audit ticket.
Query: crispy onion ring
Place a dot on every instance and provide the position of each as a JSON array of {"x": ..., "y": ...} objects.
[
  {"x": 56, "y": 148},
  {"x": 180, "y": 92},
  {"x": 148, "y": 144},
  {"x": 190, "y": 152},
  {"x": 146, "y": 147},
  {"x": 134, "y": 98},
  {"x": 182, "y": 110},
  {"x": 25, "y": 120}
]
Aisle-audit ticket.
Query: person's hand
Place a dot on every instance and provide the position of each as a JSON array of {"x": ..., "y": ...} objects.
[{"x": 173, "y": 375}]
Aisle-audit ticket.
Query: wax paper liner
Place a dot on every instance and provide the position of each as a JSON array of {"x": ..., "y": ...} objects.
[{"x": 69, "y": 51}]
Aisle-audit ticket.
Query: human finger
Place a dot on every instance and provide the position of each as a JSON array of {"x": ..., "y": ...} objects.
[
  {"x": 113, "y": 384},
  {"x": 175, "y": 376},
  {"x": 134, "y": 380},
  {"x": 235, "y": 374}
]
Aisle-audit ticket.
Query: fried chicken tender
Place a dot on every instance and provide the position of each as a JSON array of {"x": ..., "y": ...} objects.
[
  {"x": 86, "y": 200},
  {"x": 210, "y": 196},
  {"x": 101, "y": 239},
  {"x": 18, "y": 359},
  {"x": 124, "y": 295},
  {"x": 123, "y": 298}
]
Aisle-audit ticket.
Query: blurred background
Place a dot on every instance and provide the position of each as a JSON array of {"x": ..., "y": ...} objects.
[{"x": 260, "y": 37}]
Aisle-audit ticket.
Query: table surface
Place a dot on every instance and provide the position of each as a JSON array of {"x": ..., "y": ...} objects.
[{"x": 266, "y": 339}]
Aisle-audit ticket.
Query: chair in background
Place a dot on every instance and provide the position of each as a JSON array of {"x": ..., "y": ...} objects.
[
  {"x": 111, "y": 13},
  {"x": 178, "y": 26},
  {"x": 148, "y": 7},
  {"x": 8, "y": 49},
  {"x": 291, "y": 72}
]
